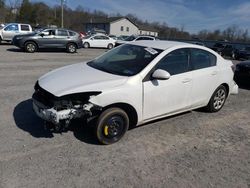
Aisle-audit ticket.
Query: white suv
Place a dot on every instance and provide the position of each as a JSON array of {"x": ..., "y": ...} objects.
[
  {"x": 133, "y": 84},
  {"x": 10, "y": 30}
]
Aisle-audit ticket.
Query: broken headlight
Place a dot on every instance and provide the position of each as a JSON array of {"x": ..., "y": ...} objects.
[{"x": 73, "y": 100}]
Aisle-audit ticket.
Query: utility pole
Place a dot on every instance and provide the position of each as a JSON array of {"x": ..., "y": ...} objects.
[{"x": 62, "y": 13}]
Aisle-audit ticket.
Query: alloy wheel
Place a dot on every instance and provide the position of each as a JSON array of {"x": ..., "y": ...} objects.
[{"x": 219, "y": 99}]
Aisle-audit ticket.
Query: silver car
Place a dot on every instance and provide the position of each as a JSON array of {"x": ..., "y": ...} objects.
[{"x": 49, "y": 38}]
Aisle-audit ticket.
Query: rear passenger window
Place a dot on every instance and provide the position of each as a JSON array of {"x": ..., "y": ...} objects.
[
  {"x": 104, "y": 38},
  {"x": 175, "y": 62},
  {"x": 25, "y": 28},
  {"x": 72, "y": 33},
  {"x": 202, "y": 59},
  {"x": 62, "y": 33}
]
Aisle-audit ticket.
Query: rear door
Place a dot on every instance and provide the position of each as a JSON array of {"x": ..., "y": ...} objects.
[
  {"x": 62, "y": 38},
  {"x": 104, "y": 41},
  {"x": 205, "y": 76},
  {"x": 47, "y": 39}
]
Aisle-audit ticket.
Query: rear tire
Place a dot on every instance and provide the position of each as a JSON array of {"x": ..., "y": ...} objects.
[
  {"x": 86, "y": 45},
  {"x": 30, "y": 47},
  {"x": 110, "y": 46},
  {"x": 71, "y": 48},
  {"x": 111, "y": 125},
  {"x": 217, "y": 100}
]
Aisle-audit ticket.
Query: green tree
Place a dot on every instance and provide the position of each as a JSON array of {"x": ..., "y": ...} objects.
[
  {"x": 25, "y": 13},
  {"x": 2, "y": 11}
]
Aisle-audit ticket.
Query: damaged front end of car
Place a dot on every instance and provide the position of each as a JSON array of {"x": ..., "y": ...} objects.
[{"x": 59, "y": 111}]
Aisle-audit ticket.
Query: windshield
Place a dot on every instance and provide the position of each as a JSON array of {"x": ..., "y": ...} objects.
[
  {"x": 125, "y": 60},
  {"x": 130, "y": 38}
]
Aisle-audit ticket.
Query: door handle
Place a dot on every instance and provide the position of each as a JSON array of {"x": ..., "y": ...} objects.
[{"x": 186, "y": 80}]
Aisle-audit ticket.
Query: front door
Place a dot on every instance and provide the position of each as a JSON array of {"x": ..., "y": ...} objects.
[
  {"x": 10, "y": 31},
  {"x": 162, "y": 97},
  {"x": 48, "y": 38}
]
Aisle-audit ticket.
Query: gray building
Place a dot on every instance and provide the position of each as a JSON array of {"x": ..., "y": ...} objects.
[{"x": 118, "y": 26}]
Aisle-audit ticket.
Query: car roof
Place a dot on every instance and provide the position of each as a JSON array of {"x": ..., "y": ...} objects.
[
  {"x": 145, "y": 36},
  {"x": 163, "y": 44},
  {"x": 16, "y": 23}
]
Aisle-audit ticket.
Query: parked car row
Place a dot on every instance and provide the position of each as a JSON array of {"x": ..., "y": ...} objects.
[
  {"x": 104, "y": 41},
  {"x": 22, "y": 36},
  {"x": 231, "y": 51}
]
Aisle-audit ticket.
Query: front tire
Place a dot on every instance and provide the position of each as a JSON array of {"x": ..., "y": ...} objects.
[
  {"x": 30, "y": 47},
  {"x": 111, "y": 125},
  {"x": 86, "y": 45},
  {"x": 217, "y": 100}
]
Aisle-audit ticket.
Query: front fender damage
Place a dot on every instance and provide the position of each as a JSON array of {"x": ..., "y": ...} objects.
[{"x": 61, "y": 119}]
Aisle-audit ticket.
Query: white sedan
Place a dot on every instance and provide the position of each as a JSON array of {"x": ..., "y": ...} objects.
[
  {"x": 133, "y": 84},
  {"x": 133, "y": 38},
  {"x": 98, "y": 41}
]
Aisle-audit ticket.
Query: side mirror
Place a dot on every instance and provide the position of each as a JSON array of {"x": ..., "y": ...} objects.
[
  {"x": 160, "y": 74},
  {"x": 42, "y": 34}
]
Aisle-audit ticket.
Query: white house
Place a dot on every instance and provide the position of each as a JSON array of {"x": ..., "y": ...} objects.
[{"x": 118, "y": 26}]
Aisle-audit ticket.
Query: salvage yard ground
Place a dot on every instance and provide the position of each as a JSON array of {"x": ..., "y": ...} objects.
[{"x": 194, "y": 149}]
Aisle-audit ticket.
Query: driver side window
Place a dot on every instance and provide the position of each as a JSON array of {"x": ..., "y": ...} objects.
[
  {"x": 176, "y": 62},
  {"x": 12, "y": 27}
]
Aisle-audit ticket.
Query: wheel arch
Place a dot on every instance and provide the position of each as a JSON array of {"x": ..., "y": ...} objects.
[
  {"x": 129, "y": 109},
  {"x": 85, "y": 43},
  {"x": 31, "y": 41},
  {"x": 71, "y": 42},
  {"x": 226, "y": 86}
]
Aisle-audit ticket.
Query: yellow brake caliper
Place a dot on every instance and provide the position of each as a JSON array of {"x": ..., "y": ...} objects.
[{"x": 106, "y": 130}]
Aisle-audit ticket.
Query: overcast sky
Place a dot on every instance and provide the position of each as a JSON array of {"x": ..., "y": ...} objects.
[{"x": 193, "y": 15}]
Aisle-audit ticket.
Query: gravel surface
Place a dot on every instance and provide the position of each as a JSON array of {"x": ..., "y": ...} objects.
[{"x": 194, "y": 149}]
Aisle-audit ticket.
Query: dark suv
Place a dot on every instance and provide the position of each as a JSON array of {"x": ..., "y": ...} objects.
[
  {"x": 225, "y": 50},
  {"x": 49, "y": 38},
  {"x": 243, "y": 54}
]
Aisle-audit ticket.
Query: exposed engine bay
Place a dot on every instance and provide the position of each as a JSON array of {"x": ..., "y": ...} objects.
[{"x": 59, "y": 111}]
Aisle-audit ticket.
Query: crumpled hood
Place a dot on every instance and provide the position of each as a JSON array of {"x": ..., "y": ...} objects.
[{"x": 78, "y": 78}]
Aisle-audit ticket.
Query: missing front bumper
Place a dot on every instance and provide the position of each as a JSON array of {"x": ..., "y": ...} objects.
[{"x": 56, "y": 117}]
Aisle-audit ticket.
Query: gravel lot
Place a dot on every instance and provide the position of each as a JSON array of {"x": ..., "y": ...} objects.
[{"x": 194, "y": 149}]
